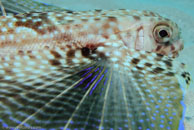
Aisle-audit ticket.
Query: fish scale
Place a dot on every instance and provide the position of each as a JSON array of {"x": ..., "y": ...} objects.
[{"x": 90, "y": 70}]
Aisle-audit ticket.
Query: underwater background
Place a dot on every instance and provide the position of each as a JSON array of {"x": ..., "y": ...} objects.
[{"x": 180, "y": 11}]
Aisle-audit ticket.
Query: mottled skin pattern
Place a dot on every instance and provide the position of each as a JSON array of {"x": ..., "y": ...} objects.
[
  {"x": 90, "y": 70},
  {"x": 131, "y": 28}
]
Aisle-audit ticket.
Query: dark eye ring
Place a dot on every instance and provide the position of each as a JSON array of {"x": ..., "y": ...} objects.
[{"x": 162, "y": 33}]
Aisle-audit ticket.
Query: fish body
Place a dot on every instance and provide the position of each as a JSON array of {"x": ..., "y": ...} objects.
[{"x": 90, "y": 70}]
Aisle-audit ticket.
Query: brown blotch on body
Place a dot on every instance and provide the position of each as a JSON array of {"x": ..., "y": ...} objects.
[
  {"x": 71, "y": 53},
  {"x": 135, "y": 61},
  {"x": 10, "y": 31},
  {"x": 136, "y": 17},
  {"x": 20, "y": 52},
  {"x": 54, "y": 62},
  {"x": 105, "y": 36},
  {"x": 32, "y": 57},
  {"x": 19, "y": 23},
  {"x": 170, "y": 74},
  {"x": 98, "y": 10},
  {"x": 69, "y": 11},
  {"x": 168, "y": 63},
  {"x": 96, "y": 19},
  {"x": 55, "y": 54},
  {"x": 46, "y": 47},
  {"x": 8, "y": 71},
  {"x": 158, "y": 48},
  {"x": 84, "y": 20},
  {"x": 29, "y": 51},
  {"x": 158, "y": 70},
  {"x": 70, "y": 21},
  {"x": 139, "y": 68},
  {"x": 172, "y": 48},
  {"x": 112, "y": 18},
  {"x": 159, "y": 55},
  {"x": 51, "y": 28},
  {"x": 152, "y": 14},
  {"x": 148, "y": 64}
]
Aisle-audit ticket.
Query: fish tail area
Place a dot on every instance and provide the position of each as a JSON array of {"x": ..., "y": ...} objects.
[
  {"x": 23, "y": 6},
  {"x": 88, "y": 89}
]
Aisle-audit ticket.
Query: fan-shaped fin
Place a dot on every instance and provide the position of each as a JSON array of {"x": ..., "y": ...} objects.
[
  {"x": 23, "y": 6},
  {"x": 90, "y": 94}
]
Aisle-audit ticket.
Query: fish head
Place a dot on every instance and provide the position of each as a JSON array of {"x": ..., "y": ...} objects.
[{"x": 153, "y": 33}]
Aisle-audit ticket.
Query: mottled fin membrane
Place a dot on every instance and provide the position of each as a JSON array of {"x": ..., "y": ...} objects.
[
  {"x": 63, "y": 93},
  {"x": 23, "y": 6}
]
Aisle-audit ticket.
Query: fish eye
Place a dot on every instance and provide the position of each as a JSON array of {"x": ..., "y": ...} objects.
[{"x": 162, "y": 33}]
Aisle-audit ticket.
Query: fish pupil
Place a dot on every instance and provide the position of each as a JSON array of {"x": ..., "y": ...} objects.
[
  {"x": 163, "y": 33},
  {"x": 85, "y": 51}
]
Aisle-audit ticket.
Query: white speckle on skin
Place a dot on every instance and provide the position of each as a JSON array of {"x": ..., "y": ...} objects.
[
  {"x": 107, "y": 53},
  {"x": 11, "y": 36},
  {"x": 2, "y": 72},
  {"x": 58, "y": 15},
  {"x": 68, "y": 18},
  {"x": 17, "y": 57},
  {"x": 36, "y": 72},
  {"x": 2, "y": 37},
  {"x": 134, "y": 69},
  {"x": 39, "y": 57},
  {"x": 40, "y": 27},
  {"x": 116, "y": 66},
  {"x": 140, "y": 65},
  {"x": 23, "y": 20},
  {"x": 16, "y": 70},
  {"x": 115, "y": 44},
  {"x": 42, "y": 67},
  {"x": 62, "y": 61},
  {"x": 126, "y": 64},
  {"x": 109, "y": 31},
  {"x": 17, "y": 64},
  {"x": 102, "y": 40},
  {"x": 7, "y": 77},
  {"x": 45, "y": 62},
  {"x": 20, "y": 74},
  {"x": 114, "y": 59},
  {"x": 26, "y": 57},
  {"x": 101, "y": 49},
  {"x": 3, "y": 29},
  {"x": 108, "y": 43},
  {"x": 136, "y": 55},
  {"x": 113, "y": 37},
  {"x": 150, "y": 58},
  {"x": 75, "y": 60},
  {"x": 32, "y": 63},
  {"x": 6, "y": 64},
  {"x": 10, "y": 25},
  {"x": 78, "y": 54},
  {"x": 91, "y": 36},
  {"x": 28, "y": 69},
  {"x": 7, "y": 58},
  {"x": 117, "y": 53}
]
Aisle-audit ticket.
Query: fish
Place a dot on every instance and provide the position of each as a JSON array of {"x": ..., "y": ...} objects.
[{"x": 87, "y": 70}]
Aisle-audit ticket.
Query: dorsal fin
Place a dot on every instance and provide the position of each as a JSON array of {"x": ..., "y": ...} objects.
[{"x": 23, "y": 6}]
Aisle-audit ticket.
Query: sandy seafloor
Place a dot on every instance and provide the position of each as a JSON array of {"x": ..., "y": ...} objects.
[{"x": 180, "y": 11}]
